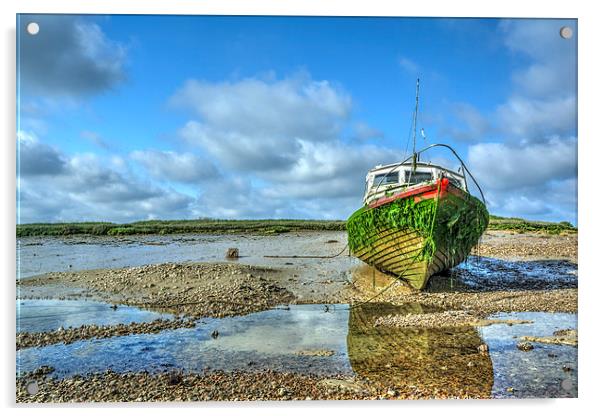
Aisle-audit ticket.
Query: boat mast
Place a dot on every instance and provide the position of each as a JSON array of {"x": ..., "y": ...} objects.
[{"x": 415, "y": 156}]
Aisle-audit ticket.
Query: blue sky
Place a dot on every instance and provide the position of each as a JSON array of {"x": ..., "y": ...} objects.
[{"x": 124, "y": 118}]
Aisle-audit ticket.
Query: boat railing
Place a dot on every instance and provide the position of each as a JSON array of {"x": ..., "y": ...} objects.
[{"x": 413, "y": 156}]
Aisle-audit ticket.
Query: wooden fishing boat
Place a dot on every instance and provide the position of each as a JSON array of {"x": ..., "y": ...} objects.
[{"x": 418, "y": 219}]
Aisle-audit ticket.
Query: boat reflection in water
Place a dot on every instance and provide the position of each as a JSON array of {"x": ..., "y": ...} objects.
[{"x": 440, "y": 362}]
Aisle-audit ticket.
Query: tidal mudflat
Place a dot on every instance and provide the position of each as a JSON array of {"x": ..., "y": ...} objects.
[{"x": 104, "y": 315}]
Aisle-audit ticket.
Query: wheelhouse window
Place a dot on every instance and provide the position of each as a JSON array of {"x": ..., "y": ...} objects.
[
  {"x": 455, "y": 181},
  {"x": 412, "y": 178},
  {"x": 386, "y": 179}
]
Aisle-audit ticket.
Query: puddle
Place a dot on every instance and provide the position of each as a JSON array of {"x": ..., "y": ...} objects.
[
  {"x": 49, "y": 315},
  {"x": 271, "y": 339},
  {"x": 438, "y": 361},
  {"x": 309, "y": 339},
  {"x": 535, "y": 373}
]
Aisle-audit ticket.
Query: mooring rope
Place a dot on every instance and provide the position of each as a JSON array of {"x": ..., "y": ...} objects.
[{"x": 295, "y": 256}]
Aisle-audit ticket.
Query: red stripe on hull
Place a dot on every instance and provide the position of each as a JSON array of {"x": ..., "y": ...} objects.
[{"x": 441, "y": 187}]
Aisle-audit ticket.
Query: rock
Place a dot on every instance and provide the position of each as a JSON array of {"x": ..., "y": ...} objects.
[
  {"x": 174, "y": 378},
  {"x": 483, "y": 348},
  {"x": 524, "y": 346}
]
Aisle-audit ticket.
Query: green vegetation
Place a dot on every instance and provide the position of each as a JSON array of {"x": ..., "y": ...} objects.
[
  {"x": 521, "y": 225},
  {"x": 457, "y": 226},
  {"x": 200, "y": 226},
  {"x": 208, "y": 226}
]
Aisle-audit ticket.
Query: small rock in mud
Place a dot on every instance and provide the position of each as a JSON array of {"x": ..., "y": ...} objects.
[
  {"x": 561, "y": 337},
  {"x": 524, "y": 346}
]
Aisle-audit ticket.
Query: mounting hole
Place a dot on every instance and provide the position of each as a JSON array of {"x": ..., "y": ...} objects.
[
  {"x": 32, "y": 387},
  {"x": 567, "y": 384},
  {"x": 33, "y": 28},
  {"x": 566, "y": 32}
]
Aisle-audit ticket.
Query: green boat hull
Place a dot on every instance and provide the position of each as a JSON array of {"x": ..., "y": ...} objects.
[{"x": 415, "y": 237}]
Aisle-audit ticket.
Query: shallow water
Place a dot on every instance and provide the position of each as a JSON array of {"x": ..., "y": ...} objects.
[
  {"x": 36, "y": 255},
  {"x": 546, "y": 371},
  {"x": 444, "y": 360},
  {"x": 265, "y": 340},
  {"x": 51, "y": 314}
]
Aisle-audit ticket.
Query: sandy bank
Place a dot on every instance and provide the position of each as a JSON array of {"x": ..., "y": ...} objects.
[{"x": 190, "y": 289}]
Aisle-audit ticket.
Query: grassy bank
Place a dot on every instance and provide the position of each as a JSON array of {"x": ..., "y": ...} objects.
[
  {"x": 209, "y": 226},
  {"x": 201, "y": 226},
  {"x": 521, "y": 226}
]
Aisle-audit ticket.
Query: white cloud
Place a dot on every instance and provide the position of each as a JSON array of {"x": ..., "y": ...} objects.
[
  {"x": 555, "y": 200},
  {"x": 504, "y": 167},
  {"x": 241, "y": 151},
  {"x": 88, "y": 188},
  {"x": 472, "y": 125},
  {"x": 95, "y": 139},
  {"x": 35, "y": 158},
  {"x": 177, "y": 167},
  {"x": 71, "y": 56},
  {"x": 292, "y": 108},
  {"x": 526, "y": 157},
  {"x": 535, "y": 119},
  {"x": 285, "y": 136},
  {"x": 409, "y": 65},
  {"x": 362, "y": 131}
]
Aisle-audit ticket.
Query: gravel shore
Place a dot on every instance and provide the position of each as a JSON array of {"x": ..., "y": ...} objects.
[
  {"x": 511, "y": 245},
  {"x": 446, "y": 319},
  {"x": 481, "y": 303},
  {"x": 234, "y": 386}
]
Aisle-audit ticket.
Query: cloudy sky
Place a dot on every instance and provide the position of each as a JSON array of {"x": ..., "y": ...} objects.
[{"x": 122, "y": 118}]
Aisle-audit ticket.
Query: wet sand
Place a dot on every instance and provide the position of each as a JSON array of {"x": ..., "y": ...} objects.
[
  {"x": 193, "y": 289},
  {"x": 210, "y": 289}
]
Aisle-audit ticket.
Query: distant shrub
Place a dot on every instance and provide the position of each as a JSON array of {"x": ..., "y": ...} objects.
[{"x": 101, "y": 229}]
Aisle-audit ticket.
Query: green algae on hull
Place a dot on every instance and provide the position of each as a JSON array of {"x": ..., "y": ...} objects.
[{"x": 414, "y": 240}]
